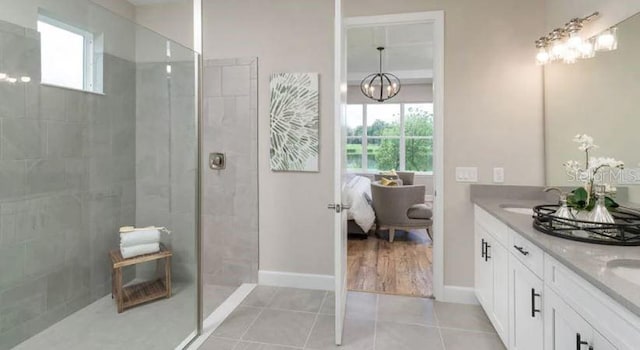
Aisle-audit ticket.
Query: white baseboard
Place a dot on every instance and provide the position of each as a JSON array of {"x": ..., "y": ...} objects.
[
  {"x": 460, "y": 295},
  {"x": 296, "y": 280}
]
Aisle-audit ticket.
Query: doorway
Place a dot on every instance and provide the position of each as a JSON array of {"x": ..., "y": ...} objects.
[{"x": 379, "y": 139}]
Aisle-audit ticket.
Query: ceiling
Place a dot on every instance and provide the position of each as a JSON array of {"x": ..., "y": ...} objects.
[{"x": 408, "y": 52}]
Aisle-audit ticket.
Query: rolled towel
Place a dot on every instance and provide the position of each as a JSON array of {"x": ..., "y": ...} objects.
[
  {"x": 137, "y": 237},
  {"x": 141, "y": 249}
]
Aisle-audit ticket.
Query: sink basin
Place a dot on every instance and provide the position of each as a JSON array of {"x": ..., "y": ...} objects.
[
  {"x": 628, "y": 269},
  {"x": 516, "y": 210}
]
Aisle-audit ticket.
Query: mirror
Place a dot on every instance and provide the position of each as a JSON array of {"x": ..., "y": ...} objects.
[{"x": 599, "y": 97}]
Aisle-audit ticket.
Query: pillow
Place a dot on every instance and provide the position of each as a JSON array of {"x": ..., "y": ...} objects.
[
  {"x": 390, "y": 172},
  {"x": 386, "y": 182}
]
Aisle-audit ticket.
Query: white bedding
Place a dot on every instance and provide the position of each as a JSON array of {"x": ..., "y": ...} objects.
[{"x": 357, "y": 190}]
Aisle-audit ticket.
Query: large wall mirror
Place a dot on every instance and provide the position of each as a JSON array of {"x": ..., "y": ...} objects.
[{"x": 599, "y": 97}]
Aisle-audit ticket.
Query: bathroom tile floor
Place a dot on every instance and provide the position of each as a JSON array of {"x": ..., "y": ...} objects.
[
  {"x": 163, "y": 324},
  {"x": 284, "y": 318}
]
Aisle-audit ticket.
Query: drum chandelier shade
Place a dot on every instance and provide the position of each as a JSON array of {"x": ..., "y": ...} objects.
[{"x": 380, "y": 86}]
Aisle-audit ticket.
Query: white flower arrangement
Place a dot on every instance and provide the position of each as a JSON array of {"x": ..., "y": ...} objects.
[{"x": 590, "y": 171}]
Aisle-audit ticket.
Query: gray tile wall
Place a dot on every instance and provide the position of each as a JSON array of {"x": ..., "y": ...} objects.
[
  {"x": 166, "y": 160},
  {"x": 67, "y": 182},
  {"x": 230, "y": 196}
]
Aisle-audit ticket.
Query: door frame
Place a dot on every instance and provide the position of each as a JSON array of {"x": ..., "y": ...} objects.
[{"x": 437, "y": 19}]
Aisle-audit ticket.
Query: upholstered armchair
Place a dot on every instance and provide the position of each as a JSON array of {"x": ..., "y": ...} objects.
[{"x": 400, "y": 208}]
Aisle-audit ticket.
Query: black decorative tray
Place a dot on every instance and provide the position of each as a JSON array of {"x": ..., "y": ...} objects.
[{"x": 625, "y": 231}]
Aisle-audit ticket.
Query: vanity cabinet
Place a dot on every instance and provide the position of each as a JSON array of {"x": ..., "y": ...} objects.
[
  {"x": 492, "y": 274},
  {"x": 525, "y": 305},
  {"x": 536, "y": 303},
  {"x": 566, "y": 329}
]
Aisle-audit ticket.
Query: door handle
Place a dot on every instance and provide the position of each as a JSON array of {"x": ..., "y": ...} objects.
[
  {"x": 482, "y": 247},
  {"x": 486, "y": 251},
  {"x": 521, "y": 250},
  {"x": 338, "y": 207},
  {"x": 580, "y": 342},
  {"x": 533, "y": 302}
]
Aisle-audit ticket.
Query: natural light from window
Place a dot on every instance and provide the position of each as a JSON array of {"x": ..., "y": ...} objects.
[
  {"x": 62, "y": 55},
  {"x": 398, "y": 136}
]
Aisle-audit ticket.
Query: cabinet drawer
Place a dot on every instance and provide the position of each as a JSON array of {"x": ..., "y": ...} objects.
[
  {"x": 492, "y": 225},
  {"x": 528, "y": 253}
]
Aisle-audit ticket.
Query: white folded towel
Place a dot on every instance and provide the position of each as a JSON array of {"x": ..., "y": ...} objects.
[
  {"x": 141, "y": 249},
  {"x": 141, "y": 236}
]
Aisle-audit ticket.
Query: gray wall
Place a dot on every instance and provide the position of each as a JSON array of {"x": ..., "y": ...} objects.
[
  {"x": 230, "y": 196},
  {"x": 166, "y": 146},
  {"x": 67, "y": 182}
]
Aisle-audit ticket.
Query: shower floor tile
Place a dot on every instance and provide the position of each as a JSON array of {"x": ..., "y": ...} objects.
[{"x": 163, "y": 324}]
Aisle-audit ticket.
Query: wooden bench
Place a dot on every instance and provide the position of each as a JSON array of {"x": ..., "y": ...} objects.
[{"x": 132, "y": 295}]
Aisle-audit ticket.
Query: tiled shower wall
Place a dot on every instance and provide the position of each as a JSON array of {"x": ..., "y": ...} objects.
[
  {"x": 230, "y": 196},
  {"x": 67, "y": 182},
  {"x": 166, "y": 145}
]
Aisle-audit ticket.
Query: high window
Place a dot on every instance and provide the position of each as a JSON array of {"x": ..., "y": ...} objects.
[
  {"x": 67, "y": 55},
  {"x": 390, "y": 136}
]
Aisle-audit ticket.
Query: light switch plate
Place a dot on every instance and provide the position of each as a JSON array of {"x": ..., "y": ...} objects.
[
  {"x": 498, "y": 175},
  {"x": 467, "y": 174}
]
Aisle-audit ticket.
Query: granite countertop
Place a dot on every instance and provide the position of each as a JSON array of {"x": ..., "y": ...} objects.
[{"x": 586, "y": 259}]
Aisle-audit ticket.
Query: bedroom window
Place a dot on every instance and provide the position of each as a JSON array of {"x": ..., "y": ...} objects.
[{"x": 396, "y": 136}]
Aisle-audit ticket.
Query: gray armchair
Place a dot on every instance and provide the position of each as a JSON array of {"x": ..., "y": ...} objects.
[
  {"x": 407, "y": 177},
  {"x": 400, "y": 208}
]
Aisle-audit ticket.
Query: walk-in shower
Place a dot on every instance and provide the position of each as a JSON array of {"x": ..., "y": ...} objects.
[{"x": 98, "y": 130}]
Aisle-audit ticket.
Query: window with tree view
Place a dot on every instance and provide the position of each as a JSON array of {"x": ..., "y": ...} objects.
[{"x": 390, "y": 136}]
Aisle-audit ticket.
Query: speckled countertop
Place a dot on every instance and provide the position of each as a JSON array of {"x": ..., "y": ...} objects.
[{"x": 586, "y": 259}]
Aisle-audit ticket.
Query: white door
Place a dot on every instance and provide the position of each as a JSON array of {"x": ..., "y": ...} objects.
[
  {"x": 340, "y": 219},
  {"x": 527, "y": 326},
  {"x": 498, "y": 257},
  {"x": 566, "y": 330}
]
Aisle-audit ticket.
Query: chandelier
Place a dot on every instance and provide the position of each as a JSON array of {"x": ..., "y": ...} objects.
[{"x": 380, "y": 86}]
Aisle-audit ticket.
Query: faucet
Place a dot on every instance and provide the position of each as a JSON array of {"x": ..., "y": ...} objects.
[{"x": 562, "y": 194}]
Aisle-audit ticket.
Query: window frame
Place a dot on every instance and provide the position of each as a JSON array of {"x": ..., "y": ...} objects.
[
  {"x": 402, "y": 143},
  {"x": 88, "y": 60}
]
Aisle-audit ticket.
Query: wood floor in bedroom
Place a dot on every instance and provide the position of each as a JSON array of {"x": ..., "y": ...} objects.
[{"x": 403, "y": 267}]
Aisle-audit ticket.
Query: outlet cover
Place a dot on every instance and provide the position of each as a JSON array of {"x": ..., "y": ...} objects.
[{"x": 498, "y": 175}]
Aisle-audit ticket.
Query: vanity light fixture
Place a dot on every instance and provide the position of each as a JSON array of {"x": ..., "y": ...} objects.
[
  {"x": 12, "y": 80},
  {"x": 607, "y": 40},
  {"x": 25, "y": 79},
  {"x": 3, "y": 76},
  {"x": 380, "y": 86},
  {"x": 566, "y": 44}
]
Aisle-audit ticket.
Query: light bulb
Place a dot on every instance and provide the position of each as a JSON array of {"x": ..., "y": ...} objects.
[
  {"x": 12, "y": 80},
  {"x": 607, "y": 41},
  {"x": 570, "y": 56},
  {"x": 587, "y": 49},
  {"x": 574, "y": 41},
  {"x": 25, "y": 79},
  {"x": 3, "y": 76},
  {"x": 168, "y": 69},
  {"x": 542, "y": 57},
  {"x": 557, "y": 50}
]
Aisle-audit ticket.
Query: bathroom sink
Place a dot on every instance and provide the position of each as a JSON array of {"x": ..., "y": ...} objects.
[
  {"x": 519, "y": 210},
  {"x": 628, "y": 269}
]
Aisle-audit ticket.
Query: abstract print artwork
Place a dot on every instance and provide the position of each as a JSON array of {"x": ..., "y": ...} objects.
[{"x": 295, "y": 122}]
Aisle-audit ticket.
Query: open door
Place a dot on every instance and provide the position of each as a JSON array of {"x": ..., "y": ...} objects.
[{"x": 340, "y": 218}]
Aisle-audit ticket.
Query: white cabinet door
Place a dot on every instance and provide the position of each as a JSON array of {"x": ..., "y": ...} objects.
[
  {"x": 525, "y": 301},
  {"x": 498, "y": 256},
  {"x": 483, "y": 273},
  {"x": 567, "y": 330}
]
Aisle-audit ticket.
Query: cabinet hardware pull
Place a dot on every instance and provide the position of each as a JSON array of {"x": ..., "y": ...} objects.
[
  {"x": 486, "y": 251},
  {"x": 521, "y": 250},
  {"x": 580, "y": 342},
  {"x": 483, "y": 247},
  {"x": 533, "y": 302}
]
